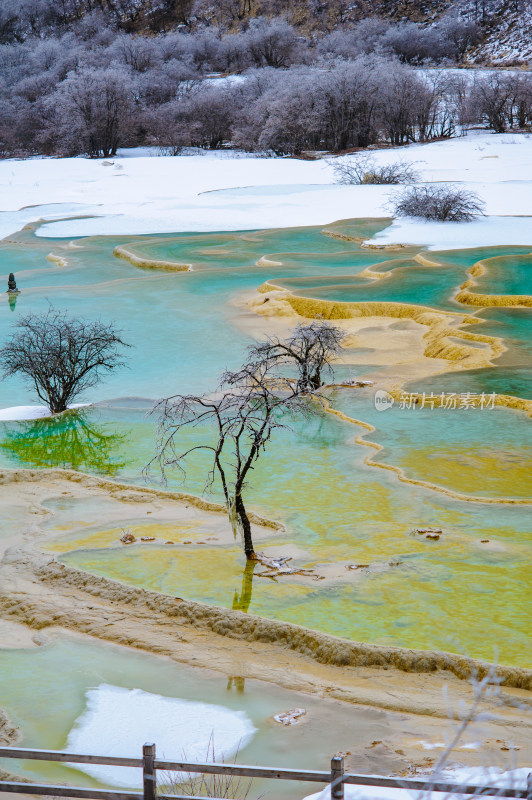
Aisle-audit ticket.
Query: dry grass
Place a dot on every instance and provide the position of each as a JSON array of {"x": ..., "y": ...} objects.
[{"x": 232, "y": 787}]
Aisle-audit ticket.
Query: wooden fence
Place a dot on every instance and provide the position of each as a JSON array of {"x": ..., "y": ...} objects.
[{"x": 149, "y": 764}]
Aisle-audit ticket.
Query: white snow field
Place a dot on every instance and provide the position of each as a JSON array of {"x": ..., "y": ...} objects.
[
  {"x": 138, "y": 192},
  {"x": 491, "y": 776},
  {"x": 118, "y": 721}
]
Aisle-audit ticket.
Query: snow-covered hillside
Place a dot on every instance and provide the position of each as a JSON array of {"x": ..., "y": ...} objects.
[{"x": 507, "y": 30}]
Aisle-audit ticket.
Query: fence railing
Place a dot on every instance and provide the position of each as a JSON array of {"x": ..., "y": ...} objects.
[{"x": 149, "y": 764}]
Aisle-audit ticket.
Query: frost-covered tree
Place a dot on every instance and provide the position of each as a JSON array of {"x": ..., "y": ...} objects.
[
  {"x": 491, "y": 99},
  {"x": 91, "y": 110},
  {"x": 522, "y": 106},
  {"x": 272, "y": 43},
  {"x": 163, "y": 84},
  {"x": 402, "y": 95},
  {"x": 348, "y": 103},
  {"x": 282, "y": 119},
  {"x": 461, "y": 33},
  {"x": 202, "y": 118},
  {"x": 366, "y": 37}
]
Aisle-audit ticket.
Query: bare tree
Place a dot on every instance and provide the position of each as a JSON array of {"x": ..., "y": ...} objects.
[
  {"x": 242, "y": 416},
  {"x": 402, "y": 94},
  {"x": 61, "y": 356},
  {"x": 311, "y": 348},
  {"x": 491, "y": 99},
  {"x": 251, "y": 404}
]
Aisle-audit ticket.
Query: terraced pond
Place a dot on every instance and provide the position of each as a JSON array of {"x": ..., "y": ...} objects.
[{"x": 349, "y": 494}]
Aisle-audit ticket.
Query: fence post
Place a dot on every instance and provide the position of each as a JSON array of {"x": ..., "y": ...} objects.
[
  {"x": 149, "y": 780},
  {"x": 337, "y": 772}
]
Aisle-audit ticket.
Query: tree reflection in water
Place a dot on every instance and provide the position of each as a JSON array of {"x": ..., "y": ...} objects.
[
  {"x": 237, "y": 682},
  {"x": 70, "y": 440},
  {"x": 241, "y": 602}
]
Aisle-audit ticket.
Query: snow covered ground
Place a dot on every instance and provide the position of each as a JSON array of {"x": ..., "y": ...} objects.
[
  {"x": 15, "y": 413},
  {"x": 20, "y": 413},
  {"x": 137, "y": 192},
  {"x": 118, "y": 721},
  {"x": 478, "y": 776}
]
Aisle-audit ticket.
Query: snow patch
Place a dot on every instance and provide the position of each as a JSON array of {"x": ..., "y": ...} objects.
[
  {"x": 480, "y": 776},
  {"x": 118, "y": 721},
  {"x": 20, "y": 413},
  {"x": 482, "y": 232}
]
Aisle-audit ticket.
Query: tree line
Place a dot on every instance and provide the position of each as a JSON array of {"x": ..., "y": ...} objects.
[{"x": 90, "y": 88}]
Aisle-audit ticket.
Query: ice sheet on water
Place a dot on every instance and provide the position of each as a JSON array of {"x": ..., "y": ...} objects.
[{"x": 118, "y": 721}]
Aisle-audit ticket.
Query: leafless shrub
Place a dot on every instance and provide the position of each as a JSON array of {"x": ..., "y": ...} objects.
[
  {"x": 170, "y": 150},
  {"x": 363, "y": 169},
  {"x": 485, "y": 692},
  {"x": 442, "y": 203},
  {"x": 218, "y": 786}
]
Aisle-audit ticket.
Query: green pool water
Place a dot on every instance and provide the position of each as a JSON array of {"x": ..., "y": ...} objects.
[
  {"x": 61, "y": 672},
  {"x": 506, "y": 275},
  {"x": 408, "y": 281},
  {"x": 313, "y": 479},
  {"x": 457, "y": 594}
]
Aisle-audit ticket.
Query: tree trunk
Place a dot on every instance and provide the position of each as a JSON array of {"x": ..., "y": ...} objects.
[
  {"x": 315, "y": 380},
  {"x": 56, "y": 405},
  {"x": 249, "y": 550}
]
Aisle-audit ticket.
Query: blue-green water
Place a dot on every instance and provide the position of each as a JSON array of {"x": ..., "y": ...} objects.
[{"x": 506, "y": 275}]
